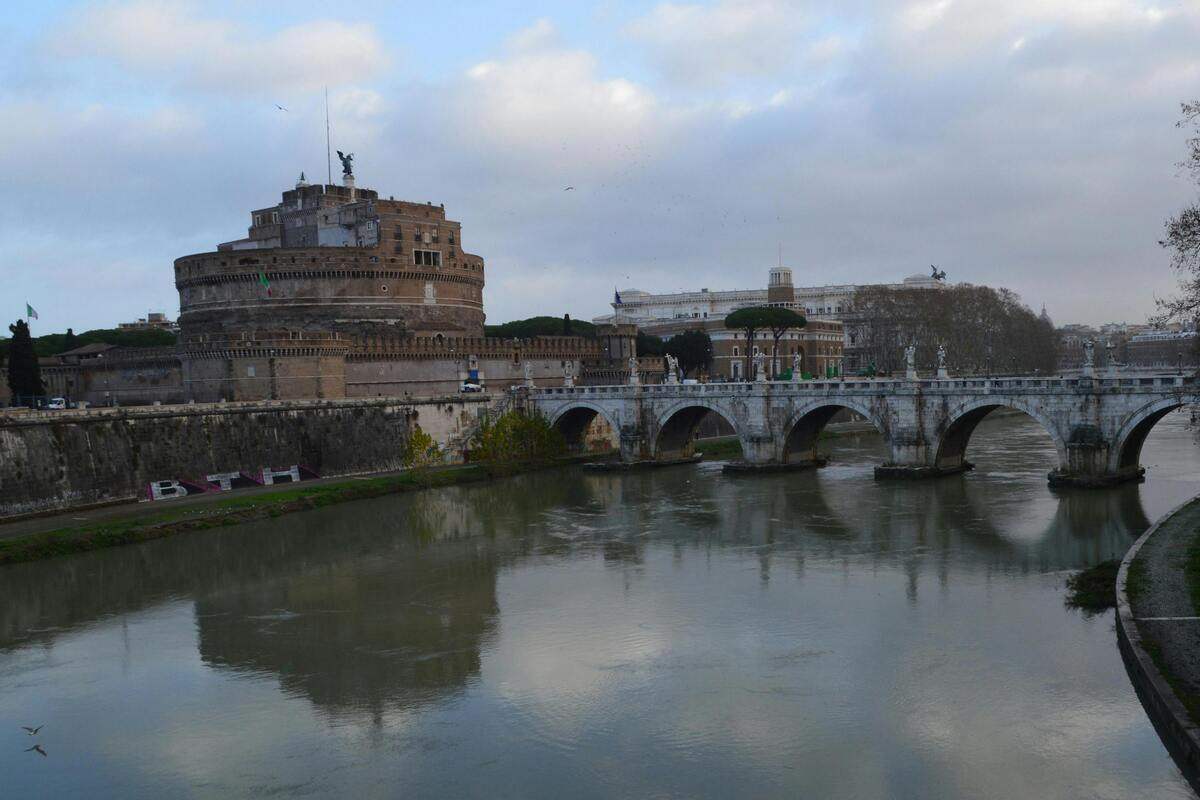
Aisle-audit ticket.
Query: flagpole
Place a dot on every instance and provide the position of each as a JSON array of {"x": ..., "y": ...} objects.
[{"x": 328, "y": 157}]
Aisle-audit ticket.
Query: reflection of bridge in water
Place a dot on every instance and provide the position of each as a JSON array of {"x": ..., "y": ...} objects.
[
  {"x": 1098, "y": 424},
  {"x": 402, "y": 591}
]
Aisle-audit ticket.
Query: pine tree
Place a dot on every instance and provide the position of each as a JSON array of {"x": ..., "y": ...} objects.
[
  {"x": 24, "y": 375},
  {"x": 70, "y": 341}
]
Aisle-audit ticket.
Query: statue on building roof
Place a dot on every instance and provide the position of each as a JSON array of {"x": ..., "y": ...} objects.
[{"x": 347, "y": 167}]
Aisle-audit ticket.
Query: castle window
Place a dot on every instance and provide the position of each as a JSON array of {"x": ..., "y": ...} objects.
[
  {"x": 450, "y": 238},
  {"x": 257, "y": 220},
  {"x": 427, "y": 258},
  {"x": 274, "y": 217}
]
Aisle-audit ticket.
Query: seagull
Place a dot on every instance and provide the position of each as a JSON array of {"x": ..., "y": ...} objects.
[
  {"x": 938, "y": 275},
  {"x": 569, "y": 188},
  {"x": 32, "y": 731},
  {"x": 281, "y": 108},
  {"x": 37, "y": 748}
]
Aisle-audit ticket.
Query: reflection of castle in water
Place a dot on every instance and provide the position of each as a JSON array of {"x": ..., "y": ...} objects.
[{"x": 389, "y": 603}]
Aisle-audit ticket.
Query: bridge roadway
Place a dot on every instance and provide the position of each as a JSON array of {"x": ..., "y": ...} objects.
[{"x": 1098, "y": 423}]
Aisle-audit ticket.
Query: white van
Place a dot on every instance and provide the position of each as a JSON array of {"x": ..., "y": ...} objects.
[{"x": 57, "y": 404}]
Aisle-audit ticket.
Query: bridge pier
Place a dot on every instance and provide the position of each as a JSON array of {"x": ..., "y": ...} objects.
[
  {"x": 912, "y": 459},
  {"x": 1090, "y": 463}
]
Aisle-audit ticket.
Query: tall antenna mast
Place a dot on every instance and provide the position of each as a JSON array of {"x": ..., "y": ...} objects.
[{"x": 328, "y": 158}]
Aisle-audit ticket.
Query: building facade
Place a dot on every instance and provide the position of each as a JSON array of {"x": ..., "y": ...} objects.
[
  {"x": 833, "y": 302},
  {"x": 825, "y": 307},
  {"x": 1133, "y": 346},
  {"x": 334, "y": 293}
]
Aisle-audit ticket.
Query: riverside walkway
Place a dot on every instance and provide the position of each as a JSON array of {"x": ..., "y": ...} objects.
[{"x": 1158, "y": 628}]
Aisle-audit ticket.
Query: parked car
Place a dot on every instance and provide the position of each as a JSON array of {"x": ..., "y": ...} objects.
[
  {"x": 470, "y": 387},
  {"x": 57, "y": 404}
]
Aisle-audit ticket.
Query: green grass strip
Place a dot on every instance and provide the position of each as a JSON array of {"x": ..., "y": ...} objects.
[{"x": 233, "y": 510}]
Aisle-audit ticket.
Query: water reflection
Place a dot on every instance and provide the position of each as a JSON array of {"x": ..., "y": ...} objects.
[{"x": 673, "y": 632}]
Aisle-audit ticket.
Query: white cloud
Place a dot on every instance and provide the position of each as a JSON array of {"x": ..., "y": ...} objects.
[
  {"x": 157, "y": 39},
  {"x": 937, "y": 31},
  {"x": 550, "y": 103},
  {"x": 706, "y": 45}
]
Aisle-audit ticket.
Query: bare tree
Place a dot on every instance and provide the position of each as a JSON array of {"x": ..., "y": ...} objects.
[
  {"x": 1183, "y": 232},
  {"x": 984, "y": 329}
]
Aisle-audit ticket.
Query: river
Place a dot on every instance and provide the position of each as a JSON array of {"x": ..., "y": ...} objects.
[{"x": 669, "y": 633}]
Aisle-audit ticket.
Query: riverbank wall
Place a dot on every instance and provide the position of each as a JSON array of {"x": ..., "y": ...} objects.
[
  {"x": 53, "y": 461},
  {"x": 1152, "y": 652}
]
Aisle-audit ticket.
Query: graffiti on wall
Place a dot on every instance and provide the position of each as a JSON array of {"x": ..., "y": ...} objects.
[{"x": 227, "y": 482}]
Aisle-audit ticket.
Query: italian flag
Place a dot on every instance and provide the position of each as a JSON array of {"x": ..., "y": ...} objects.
[
  {"x": 29, "y": 312},
  {"x": 266, "y": 284}
]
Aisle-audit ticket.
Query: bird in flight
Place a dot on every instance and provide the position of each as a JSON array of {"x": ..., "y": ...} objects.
[
  {"x": 938, "y": 275},
  {"x": 37, "y": 748},
  {"x": 569, "y": 189},
  {"x": 32, "y": 731},
  {"x": 281, "y": 108}
]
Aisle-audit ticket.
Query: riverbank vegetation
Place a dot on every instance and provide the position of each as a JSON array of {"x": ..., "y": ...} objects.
[
  {"x": 516, "y": 439},
  {"x": 227, "y": 511},
  {"x": 1094, "y": 590}
]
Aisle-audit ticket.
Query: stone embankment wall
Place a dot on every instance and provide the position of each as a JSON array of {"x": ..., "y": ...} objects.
[{"x": 58, "y": 460}]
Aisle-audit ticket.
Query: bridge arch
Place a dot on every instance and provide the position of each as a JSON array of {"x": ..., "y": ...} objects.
[
  {"x": 573, "y": 419},
  {"x": 803, "y": 428},
  {"x": 950, "y": 447},
  {"x": 675, "y": 427},
  {"x": 1126, "y": 450}
]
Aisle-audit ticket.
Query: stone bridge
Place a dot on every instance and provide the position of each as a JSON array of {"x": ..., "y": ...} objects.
[{"x": 1097, "y": 424}]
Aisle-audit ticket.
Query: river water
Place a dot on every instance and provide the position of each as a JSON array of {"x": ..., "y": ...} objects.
[{"x": 671, "y": 633}]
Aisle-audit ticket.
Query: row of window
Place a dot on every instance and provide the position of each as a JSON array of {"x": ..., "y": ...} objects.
[
  {"x": 737, "y": 351},
  {"x": 259, "y": 218},
  {"x": 427, "y": 237}
]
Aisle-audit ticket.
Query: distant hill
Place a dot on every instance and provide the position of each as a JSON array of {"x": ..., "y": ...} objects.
[
  {"x": 540, "y": 326},
  {"x": 54, "y": 343}
]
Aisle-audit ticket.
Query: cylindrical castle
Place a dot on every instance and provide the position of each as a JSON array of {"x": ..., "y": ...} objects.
[{"x": 273, "y": 316}]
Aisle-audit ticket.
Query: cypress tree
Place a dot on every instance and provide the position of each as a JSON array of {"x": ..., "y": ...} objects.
[
  {"x": 24, "y": 375},
  {"x": 70, "y": 341}
]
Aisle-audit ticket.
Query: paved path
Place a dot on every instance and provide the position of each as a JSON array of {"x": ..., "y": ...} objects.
[{"x": 1164, "y": 611}]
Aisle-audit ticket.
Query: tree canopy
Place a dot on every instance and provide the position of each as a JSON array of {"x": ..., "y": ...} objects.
[
  {"x": 649, "y": 345},
  {"x": 541, "y": 326},
  {"x": 52, "y": 344},
  {"x": 765, "y": 318},
  {"x": 1183, "y": 232},
  {"x": 24, "y": 375},
  {"x": 775, "y": 319},
  {"x": 692, "y": 348}
]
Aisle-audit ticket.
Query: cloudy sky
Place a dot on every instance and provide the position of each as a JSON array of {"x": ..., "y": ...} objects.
[{"x": 1026, "y": 143}]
